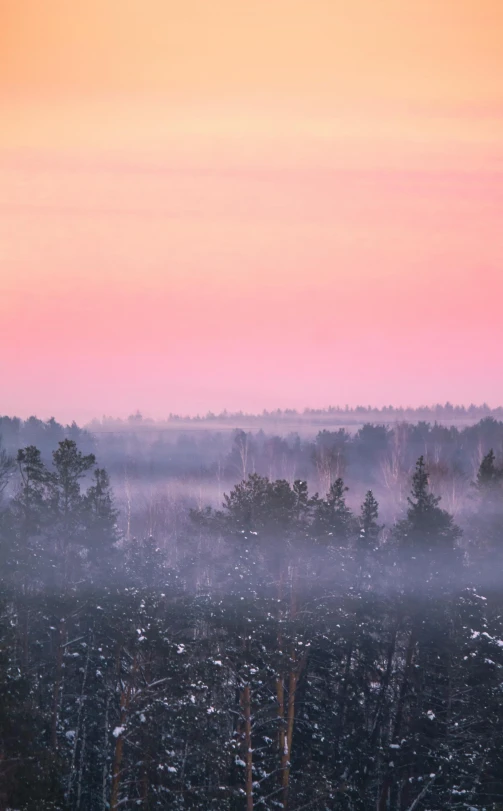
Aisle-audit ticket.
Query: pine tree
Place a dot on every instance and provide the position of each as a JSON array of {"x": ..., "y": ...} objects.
[
  {"x": 28, "y": 520},
  {"x": 67, "y": 504},
  {"x": 333, "y": 521},
  {"x": 100, "y": 523}
]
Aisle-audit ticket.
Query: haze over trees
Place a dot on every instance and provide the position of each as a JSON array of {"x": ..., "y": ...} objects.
[{"x": 239, "y": 620}]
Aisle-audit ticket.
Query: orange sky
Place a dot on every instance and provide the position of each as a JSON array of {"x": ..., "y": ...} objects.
[{"x": 249, "y": 204}]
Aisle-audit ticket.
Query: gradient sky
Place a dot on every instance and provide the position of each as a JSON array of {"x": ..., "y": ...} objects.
[{"x": 249, "y": 204}]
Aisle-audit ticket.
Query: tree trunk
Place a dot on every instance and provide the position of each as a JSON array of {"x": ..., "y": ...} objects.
[
  {"x": 57, "y": 684},
  {"x": 71, "y": 776},
  {"x": 344, "y": 691},
  {"x": 280, "y": 696},
  {"x": 288, "y": 735},
  {"x": 397, "y": 726},
  {"x": 288, "y": 723},
  {"x": 382, "y": 692},
  {"x": 104, "y": 804},
  {"x": 246, "y": 703},
  {"x": 81, "y": 765},
  {"x": 119, "y": 741}
]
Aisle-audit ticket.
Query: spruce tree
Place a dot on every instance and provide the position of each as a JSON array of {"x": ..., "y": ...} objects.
[
  {"x": 369, "y": 526},
  {"x": 488, "y": 475},
  {"x": 427, "y": 538},
  {"x": 486, "y": 524}
]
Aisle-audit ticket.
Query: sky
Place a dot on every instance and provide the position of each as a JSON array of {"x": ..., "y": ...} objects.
[{"x": 249, "y": 204}]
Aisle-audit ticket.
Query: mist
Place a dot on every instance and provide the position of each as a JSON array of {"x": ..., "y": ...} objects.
[{"x": 238, "y": 611}]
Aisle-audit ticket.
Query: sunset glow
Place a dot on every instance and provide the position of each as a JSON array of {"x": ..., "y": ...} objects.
[{"x": 249, "y": 204}]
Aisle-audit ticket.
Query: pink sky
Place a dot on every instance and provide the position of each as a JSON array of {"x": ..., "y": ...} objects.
[{"x": 209, "y": 239}]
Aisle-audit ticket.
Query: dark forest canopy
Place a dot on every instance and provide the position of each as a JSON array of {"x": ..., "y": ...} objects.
[{"x": 284, "y": 647}]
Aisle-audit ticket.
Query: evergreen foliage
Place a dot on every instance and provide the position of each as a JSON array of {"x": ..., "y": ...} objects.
[{"x": 291, "y": 655}]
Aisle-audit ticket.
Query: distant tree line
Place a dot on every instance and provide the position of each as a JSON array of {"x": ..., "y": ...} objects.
[
  {"x": 443, "y": 412},
  {"x": 293, "y": 653},
  {"x": 375, "y": 456}
]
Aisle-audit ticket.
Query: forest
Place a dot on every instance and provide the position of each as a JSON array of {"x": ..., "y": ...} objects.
[{"x": 229, "y": 618}]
